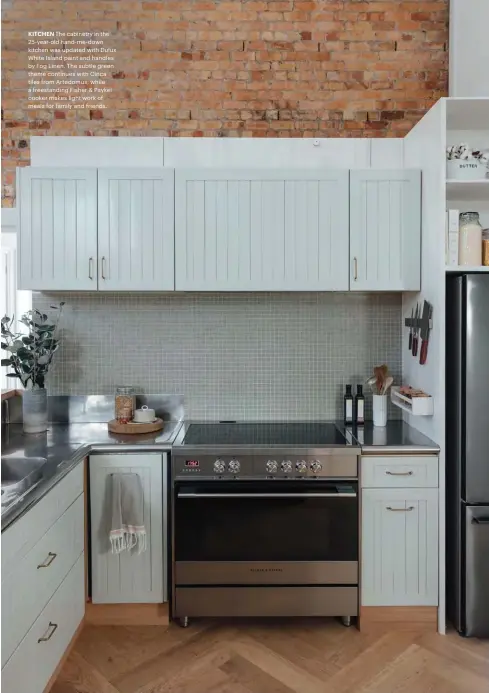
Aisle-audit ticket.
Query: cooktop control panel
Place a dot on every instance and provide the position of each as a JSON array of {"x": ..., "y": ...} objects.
[{"x": 272, "y": 466}]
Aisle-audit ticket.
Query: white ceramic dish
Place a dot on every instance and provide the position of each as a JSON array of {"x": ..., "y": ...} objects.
[{"x": 144, "y": 415}]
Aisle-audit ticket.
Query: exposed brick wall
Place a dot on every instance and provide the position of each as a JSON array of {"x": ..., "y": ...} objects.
[{"x": 237, "y": 68}]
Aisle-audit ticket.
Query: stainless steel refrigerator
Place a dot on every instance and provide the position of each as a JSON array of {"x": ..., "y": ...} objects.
[{"x": 467, "y": 458}]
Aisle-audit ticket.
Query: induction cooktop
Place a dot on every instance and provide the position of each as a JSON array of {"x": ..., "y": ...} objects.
[{"x": 264, "y": 434}]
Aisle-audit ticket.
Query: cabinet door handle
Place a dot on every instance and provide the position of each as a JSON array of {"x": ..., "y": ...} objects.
[
  {"x": 49, "y": 633},
  {"x": 400, "y": 510},
  {"x": 90, "y": 268},
  {"x": 355, "y": 269},
  {"x": 50, "y": 558},
  {"x": 103, "y": 267},
  {"x": 410, "y": 473}
]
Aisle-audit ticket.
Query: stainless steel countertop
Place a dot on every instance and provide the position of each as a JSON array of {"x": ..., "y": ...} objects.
[
  {"x": 397, "y": 438},
  {"x": 64, "y": 446}
]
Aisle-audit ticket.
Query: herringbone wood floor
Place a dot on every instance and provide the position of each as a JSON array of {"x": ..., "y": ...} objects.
[{"x": 306, "y": 656}]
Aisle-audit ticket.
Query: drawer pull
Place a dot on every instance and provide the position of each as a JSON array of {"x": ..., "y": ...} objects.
[
  {"x": 400, "y": 510},
  {"x": 48, "y": 561},
  {"x": 399, "y": 473},
  {"x": 51, "y": 628}
]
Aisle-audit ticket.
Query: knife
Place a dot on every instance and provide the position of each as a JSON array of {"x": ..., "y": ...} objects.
[
  {"x": 411, "y": 331},
  {"x": 415, "y": 334},
  {"x": 425, "y": 332}
]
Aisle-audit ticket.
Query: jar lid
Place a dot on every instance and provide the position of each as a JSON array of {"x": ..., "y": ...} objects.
[
  {"x": 124, "y": 389},
  {"x": 469, "y": 217}
]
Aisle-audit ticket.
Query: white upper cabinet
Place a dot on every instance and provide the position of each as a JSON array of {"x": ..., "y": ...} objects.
[
  {"x": 261, "y": 230},
  {"x": 219, "y": 229},
  {"x": 136, "y": 229},
  {"x": 57, "y": 228},
  {"x": 385, "y": 230}
]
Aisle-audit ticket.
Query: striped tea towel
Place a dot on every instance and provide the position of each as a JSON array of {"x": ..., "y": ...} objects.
[{"x": 127, "y": 527}]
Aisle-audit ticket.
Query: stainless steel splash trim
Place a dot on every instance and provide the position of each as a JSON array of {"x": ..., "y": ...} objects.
[{"x": 100, "y": 408}]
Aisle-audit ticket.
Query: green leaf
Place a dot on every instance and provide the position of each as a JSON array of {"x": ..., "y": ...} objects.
[
  {"x": 4, "y": 345},
  {"x": 12, "y": 375},
  {"x": 24, "y": 353},
  {"x": 6, "y": 362}
]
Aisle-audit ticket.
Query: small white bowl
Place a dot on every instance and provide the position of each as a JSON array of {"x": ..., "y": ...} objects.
[{"x": 144, "y": 415}]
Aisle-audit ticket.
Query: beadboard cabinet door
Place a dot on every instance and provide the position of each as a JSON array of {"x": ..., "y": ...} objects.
[
  {"x": 128, "y": 577},
  {"x": 136, "y": 229},
  {"x": 57, "y": 229},
  {"x": 385, "y": 230},
  {"x": 399, "y": 547},
  {"x": 261, "y": 230}
]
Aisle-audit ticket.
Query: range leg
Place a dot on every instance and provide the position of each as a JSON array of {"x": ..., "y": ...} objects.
[
  {"x": 346, "y": 621},
  {"x": 184, "y": 622}
]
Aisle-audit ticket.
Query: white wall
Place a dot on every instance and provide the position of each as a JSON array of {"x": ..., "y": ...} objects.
[
  {"x": 469, "y": 48},
  {"x": 424, "y": 148},
  {"x": 94, "y": 152},
  {"x": 217, "y": 152}
]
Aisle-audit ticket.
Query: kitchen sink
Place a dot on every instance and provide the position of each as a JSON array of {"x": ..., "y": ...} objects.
[{"x": 19, "y": 474}]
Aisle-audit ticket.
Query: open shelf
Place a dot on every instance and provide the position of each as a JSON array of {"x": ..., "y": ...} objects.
[
  {"x": 468, "y": 189},
  {"x": 466, "y": 268},
  {"x": 417, "y": 406},
  {"x": 467, "y": 113}
]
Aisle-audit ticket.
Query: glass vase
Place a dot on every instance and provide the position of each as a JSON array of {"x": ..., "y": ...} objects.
[{"x": 35, "y": 410}]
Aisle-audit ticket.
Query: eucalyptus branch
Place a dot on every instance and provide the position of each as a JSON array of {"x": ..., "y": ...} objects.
[{"x": 30, "y": 355}]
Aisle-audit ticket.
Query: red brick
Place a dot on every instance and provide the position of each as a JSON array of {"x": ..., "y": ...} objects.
[{"x": 242, "y": 68}]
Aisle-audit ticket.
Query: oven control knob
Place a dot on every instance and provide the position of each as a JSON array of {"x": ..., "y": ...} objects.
[
  {"x": 286, "y": 466},
  {"x": 271, "y": 466},
  {"x": 219, "y": 466},
  {"x": 316, "y": 466},
  {"x": 301, "y": 465},
  {"x": 234, "y": 466}
]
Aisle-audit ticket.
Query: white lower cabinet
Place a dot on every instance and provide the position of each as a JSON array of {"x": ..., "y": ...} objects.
[
  {"x": 399, "y": 547},
  {"x": 128, "y": 577},
  {"x": 43, "y": 586},
  {"x": 29, "y": 586},
  {"x": 31, "y": 666}
]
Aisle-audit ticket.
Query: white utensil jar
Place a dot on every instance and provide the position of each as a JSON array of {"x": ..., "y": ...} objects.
[
  {"x": 380, "y": 410},
  {"x": 470, "y": 240}
]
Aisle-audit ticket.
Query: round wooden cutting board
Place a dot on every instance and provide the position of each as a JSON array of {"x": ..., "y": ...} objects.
[{"x": 135, "y": 428}]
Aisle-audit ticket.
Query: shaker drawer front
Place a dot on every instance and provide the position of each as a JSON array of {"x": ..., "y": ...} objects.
[
  {"x": 30, "y": 585},
  {"x": 32, "y": 664},
  {"x": 18, "y": 539},
  {"x": 403, "y": 471}
]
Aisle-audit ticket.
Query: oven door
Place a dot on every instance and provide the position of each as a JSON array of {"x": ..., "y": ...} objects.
[{"x": 271, "y": 532}]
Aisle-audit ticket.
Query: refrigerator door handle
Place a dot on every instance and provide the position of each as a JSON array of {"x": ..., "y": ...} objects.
[{"x": 480, "y": 520}]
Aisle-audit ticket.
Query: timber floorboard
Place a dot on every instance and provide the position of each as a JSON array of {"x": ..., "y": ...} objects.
[{"x": 272, "y": 656}]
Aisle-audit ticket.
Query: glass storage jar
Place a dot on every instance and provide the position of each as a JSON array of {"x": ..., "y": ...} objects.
[
  {"x": 485, "y": 247},
  {"x": 470, "y": 240},
  {"x": 125, "y": 403}
]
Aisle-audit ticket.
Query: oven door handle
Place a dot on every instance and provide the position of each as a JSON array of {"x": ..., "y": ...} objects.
[{"x": 267, "y": 495}]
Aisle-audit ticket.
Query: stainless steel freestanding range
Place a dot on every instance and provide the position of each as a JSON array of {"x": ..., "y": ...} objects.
[{"x": 265, "y": 521}]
